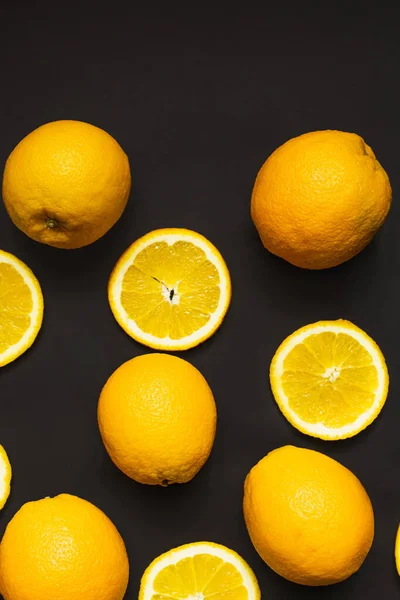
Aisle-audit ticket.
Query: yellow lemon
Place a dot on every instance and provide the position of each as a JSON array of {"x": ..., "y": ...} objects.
[
  {"x": 66, "y": 184},
  {"x": 170, "y": 290},
  {"x": 5, "y": 477},
  {"x": 397, "y": 551},
  {"x": 21, "y": 308},
  {"x": 329, "y": 379},
  {"x": 157, "y": 418},
  {"x": 62, "y": 547},
  {"x": 309, "y": 517},
  {"x": 320, "y": 198},
  {"x": 199, "y": 571}
]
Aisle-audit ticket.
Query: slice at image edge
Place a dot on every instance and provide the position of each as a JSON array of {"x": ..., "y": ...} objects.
[
  {"x": 21, "y": 309},
  {"x": 199, "y": 570}
]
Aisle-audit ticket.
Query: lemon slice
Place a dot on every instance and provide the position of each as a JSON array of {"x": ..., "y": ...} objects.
[
  {"x": 21, "y": 308},
  {"x": 197, "y": 572},
  {"x": 329, "y": 379},
  {"x": 397, "y": 551},
  {"x": 170, "y": 290},
  {"x": 5, "y": 477}
]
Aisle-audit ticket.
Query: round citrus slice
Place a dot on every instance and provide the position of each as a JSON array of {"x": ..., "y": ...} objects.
[
  {"x": 397, "y": 550},
  {"x": 5, "y": 477},
  {"x": 21, "y": 308},
  {"x": 329, "y": 379},
  {"x": 199, "y": 571},
  {"x": 170, "y": 290}
]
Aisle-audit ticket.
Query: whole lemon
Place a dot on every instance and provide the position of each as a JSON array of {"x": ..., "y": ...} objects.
[
  {"x": 66, "y": 184},
  {"x": 309, "y": 517},
  {"x": 320, "y": 198},
  {"x": 62, "y": 547},
  {"x": 157, "y": 418}
]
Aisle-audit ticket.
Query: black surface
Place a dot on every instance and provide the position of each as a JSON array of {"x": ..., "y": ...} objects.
[{"x": 198, "y": 101}]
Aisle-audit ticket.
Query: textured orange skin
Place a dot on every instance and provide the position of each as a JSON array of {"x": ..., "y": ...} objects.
[
  {"x": 157, "y": 418},
  {"x": 62, "y": 548},
  {"x": 71, "y": 172},
  {"x": 320, "y": 198},
  {"x": 309, "y": 517}
]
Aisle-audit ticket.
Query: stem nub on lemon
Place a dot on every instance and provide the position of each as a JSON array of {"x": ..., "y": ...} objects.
[
  {"x": 170, "y": 290},
  {"x": 21, "y": 308},
  {"x": 329, "y": 379},
  {"x": 157, "y": 418},
  {"x": 199, "y": 571},
  {"x": 320, "y": 198},
  {"x": 62, "y": 547},
  {"x": 309, "y": 517},
  {"x": 66, "y": 184}
]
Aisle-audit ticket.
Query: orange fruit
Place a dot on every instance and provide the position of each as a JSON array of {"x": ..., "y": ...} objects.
[
  {"x": 66, "y": 184},
  {"x": 170, "y": 290},
  {"x": 397, "y": 550},
  {"x": 199, "y": 571},
  {"x": 320, "y": 198},
  {"x": 62, "y": 547},
  {"x": 21, "y": 308},
  {"x": 157, "y": 418},
  {"x": 329, "y": 379},
  {"x": 5, "y": 477},
  {"x": 309, "y": 517}
]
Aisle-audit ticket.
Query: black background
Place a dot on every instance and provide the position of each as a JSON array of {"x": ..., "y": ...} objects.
[{"x": 198, "y": 100}]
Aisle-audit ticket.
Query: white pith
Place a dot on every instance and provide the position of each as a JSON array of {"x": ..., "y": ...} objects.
[
  {"x": 332, "y": 374},
  {"x": 166, "y": 292}
]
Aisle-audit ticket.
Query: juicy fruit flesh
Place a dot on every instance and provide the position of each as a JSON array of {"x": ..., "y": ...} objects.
[
  {"x": 171, "y": 290},
  {"x": 199, "y": 577},
  {"x": 5, "y": 477},
  {"x": 15, "y": 306},
  {"x": 329, "y": 378}
]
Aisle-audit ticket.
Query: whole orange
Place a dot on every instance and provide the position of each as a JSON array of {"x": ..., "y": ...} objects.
[
  {"x": 320, "y": 198},
  {"x": 66, "y": 183},
  {"x": 309, "y": 517},
  {"x": 62, "y": 548},
  {"x": 157, "y": 418}
]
